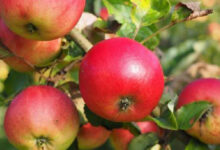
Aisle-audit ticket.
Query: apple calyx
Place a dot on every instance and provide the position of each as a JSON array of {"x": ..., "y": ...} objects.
[
  {"x": 42, "y": 142},
  {"x": 125, "y": 102},
  {"x": 31, "y": 28}
]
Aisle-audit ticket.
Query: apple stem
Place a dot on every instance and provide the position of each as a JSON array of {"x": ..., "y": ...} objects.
[{"x": 81, "y": 40}]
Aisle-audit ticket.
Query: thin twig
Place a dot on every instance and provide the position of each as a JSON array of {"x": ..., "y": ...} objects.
[{"x": 191, "y": 17}]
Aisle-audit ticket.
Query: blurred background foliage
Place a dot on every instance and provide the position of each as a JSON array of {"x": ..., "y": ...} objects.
[{"x": 187, "y": 51}]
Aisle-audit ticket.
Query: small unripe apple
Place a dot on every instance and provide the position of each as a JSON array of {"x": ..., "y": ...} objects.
[
  {"x": 121, "y": 80},
  {"x": 41, "y": 20},
  {"x": 207, "y": 128},
  {"x": 41, "y": 118},
  {"x": 120, "y": 138},
  {"x": 4, "y": 70},
  {"x": 91, "y": 137},
  {"x": 37, "y": 53}
]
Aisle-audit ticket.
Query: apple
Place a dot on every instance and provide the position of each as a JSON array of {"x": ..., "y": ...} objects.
[
  {"x": 4, "y": 70},
  {"x": 121, "y": 80},
  {"x": 104, "y": 13},
  {"x": 91, "y": 137},
  {"x": 120, "y": 138},
  {"x": 207, "y": 128},
  {"x": 37, "y": 53},
  {"x": 41, "y": 20},
  {"x": 214, "y": 30},
  {"x": 41, "y": 118},
  {"x": 18, "y": 64}
]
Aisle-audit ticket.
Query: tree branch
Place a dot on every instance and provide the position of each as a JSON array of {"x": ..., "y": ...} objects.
[
  {"x": 81, "y": 40},
  {"x": 191, "y": 17}
]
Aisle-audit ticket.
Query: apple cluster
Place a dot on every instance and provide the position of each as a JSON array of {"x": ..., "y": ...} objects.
[
  {"x": 32, "y": 30},
  {"x": 120, "y": 80}
]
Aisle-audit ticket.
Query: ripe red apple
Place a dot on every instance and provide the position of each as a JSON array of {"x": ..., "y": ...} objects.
[
  {"x": 104, "y": 13},
  {"x": 37, "y": 53},
  {"x": 41, "y": 118},
  {"x": 120, "y": 138},
  {"x": 41, "y": 20},
  {"x": 90, "y": 137},
  {"x": 207, "y": 128},
  {"x": 121, "y": 80}
]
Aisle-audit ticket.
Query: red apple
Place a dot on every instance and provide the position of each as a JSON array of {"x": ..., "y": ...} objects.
[
  {"x": 90, "y": 137},
  {"x": 214, "y": 30},
  {"x": 121, "y": 80},
  {"x": 41, "y": 20},
  {"x": 41, "y": 118},
  {"x": 37, "y": 53},
  {"x": 120, "y": 138},
  {"x": 104, "y": 13},
  {"x": 207, "y": 128}
]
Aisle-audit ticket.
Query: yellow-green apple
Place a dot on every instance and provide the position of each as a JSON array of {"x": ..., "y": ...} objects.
[
  {"x": 120, "y": 138},
  {"x": 37, "y": 53},
  {"x": 4, "y": 70},
  {"x": 206, "y": 129},
  {"x": 121, "y": 80},
  {"x": 91, "y": 137},
  {"x": 41, "y": 118},
  {"x": 41, "y": 20}
]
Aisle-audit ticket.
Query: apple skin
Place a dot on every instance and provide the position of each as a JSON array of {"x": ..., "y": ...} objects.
[
  {"x": 104, "y": 13},
  {"x": 18, "y": 64},
  {"x": 43, "y": 115},
  {"x": 214, "y": 30},
  {"x": 120, "y": 138},
  {"x": 121, "y": 80},
  {"x": 37, "y": 53},
  {"x": 41, "y": 20},
  {"x": 206, "y": 130},
  {"x": 91, "y": 137}
]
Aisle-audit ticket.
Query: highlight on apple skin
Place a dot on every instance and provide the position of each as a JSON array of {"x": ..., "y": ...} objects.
[
  {"x": 41, "y": 20},
  {"x": 207, "y": 89},
  {"x": 41, "y": 117},
  {"x": 121, "y": 80}
]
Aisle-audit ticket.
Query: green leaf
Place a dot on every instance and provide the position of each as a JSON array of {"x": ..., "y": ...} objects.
[
  {"x": 167, "y": 119},
  {"x": 133, "y": 128},
  {"x": 143, "y": 142},
  {"x": 73, "y": 52},
  {"x": 144, "y": 32},
  {"x": 188, "y": 114},
  {"x": 196, "y": 145},
  {"x": 120, "y": 9},
  {"x": 156, "y": 12},
  {"x": 181, "y": 12},
  {"x": 16, "y": 82},
  {"x": 127, "y": 30}
]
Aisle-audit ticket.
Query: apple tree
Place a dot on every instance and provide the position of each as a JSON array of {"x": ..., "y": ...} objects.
[{"x": 109, "y": 75}]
